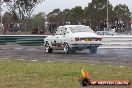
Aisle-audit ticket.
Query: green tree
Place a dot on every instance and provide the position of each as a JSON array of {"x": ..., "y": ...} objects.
[
  {"x": 55, "y": 15},
  {"x": 22, "y": 8},
  {"x": 122, "y": 11},
  {"x": 66, "y": 15},
  {"x": 97, "y": 10},
  {"x": 7, "y": 18},
  {"x": 76, "y": 15},
  {"x": 38, "y": 20}
]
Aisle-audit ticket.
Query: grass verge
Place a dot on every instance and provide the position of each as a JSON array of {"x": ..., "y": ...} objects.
[{"x": 40, "y": 74}]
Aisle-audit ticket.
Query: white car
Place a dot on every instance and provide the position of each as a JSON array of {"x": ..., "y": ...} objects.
[
  {"x": 111, "y": 33},
  {"x": 72, "y": 38}
]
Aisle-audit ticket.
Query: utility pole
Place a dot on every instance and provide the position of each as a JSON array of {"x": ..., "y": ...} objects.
[
  {"x": 130, "y": 25},
  {"x": 107, "y": 15},
  {"x": 1, "y": 26}
]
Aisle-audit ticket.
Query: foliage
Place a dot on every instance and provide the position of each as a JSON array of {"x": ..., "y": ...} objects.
[
  {"x": 94, "y": 13},
  {"x": 7, "y": 18},
  {"x": 54, "y": 15},
  {"x": 122, "y": 11},
  {"x": 22, "y": 8},
  {"x": 76, "y": 14},
  {"x": 66, "y": 15},
  {"x": 38, "y": 21}
]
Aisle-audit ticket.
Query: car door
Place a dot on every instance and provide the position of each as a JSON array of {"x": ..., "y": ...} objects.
[
  {"x": 61, "y": 37},
  {"x": 63, "y": 34},
  {"x": 58, "y": 38}
]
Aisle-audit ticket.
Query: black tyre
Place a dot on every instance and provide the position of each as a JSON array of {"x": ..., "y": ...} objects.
[
  {"x": 48, "y": 49},
  {"x": 93, "y": 50},
  {"x": 66, "y": 48},
  {"x": 73, "y": 50}
]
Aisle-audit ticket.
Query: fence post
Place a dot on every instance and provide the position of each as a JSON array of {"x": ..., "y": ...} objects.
[{"x": 25, "y": 26}]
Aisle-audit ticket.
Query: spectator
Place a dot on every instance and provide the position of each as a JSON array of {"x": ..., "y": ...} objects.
[
  {"x": 115, "y": 23},
  {"x": 11, "y": 27},
  {"x": 17, "y": 27},
  {"x": 42, "y": 31},
  {"x": 68, "y": 22},
  {"x": 120, "y": 21},
  {"x": 2, "y": 27},
  {"x": 5, "y": 28},
  {"x": 35, "y": 31},
  {"x": 96, "y": 28},
  {"x": 105, "y": 25},
  {"x": 101, "y": 25},
  {"x": 79, "y": 23},
  {"x": 46, "y": 25},
  {"x": 120, "y": 25}
]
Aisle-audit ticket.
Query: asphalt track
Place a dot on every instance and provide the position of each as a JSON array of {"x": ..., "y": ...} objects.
[{"x": 121, "y": 57}]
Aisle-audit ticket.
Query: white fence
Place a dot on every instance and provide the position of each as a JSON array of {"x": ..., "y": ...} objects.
[{"x": 117, "y": 41}]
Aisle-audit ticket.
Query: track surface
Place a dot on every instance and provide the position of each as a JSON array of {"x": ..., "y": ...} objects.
[{"x": 103, "y": 56}]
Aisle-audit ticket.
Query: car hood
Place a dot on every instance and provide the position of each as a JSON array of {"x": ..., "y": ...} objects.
[{"x": 83, "y": 34}]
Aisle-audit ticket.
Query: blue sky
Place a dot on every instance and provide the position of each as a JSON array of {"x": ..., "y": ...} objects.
[{"x": 49, "y": 5}]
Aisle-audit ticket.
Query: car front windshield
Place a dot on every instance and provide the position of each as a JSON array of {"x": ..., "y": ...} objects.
[{"x": 81, "y": 29}]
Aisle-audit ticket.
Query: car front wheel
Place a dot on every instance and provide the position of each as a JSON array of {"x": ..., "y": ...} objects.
[
  {"x": 93, "y": 50},
  {"x": 48, "y": 50}
]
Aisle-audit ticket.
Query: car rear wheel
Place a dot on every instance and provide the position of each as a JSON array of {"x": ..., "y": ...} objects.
[
  {"x": 93, "y": 50},
  {"x": 73, "y": 50},
  {"x": 66, "y": 48}
]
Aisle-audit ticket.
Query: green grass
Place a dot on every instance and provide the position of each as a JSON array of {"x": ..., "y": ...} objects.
[{"x": 40, "y": 74}]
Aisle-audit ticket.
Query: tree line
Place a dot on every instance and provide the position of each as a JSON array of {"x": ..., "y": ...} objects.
[{"x": 92, "y": 15}]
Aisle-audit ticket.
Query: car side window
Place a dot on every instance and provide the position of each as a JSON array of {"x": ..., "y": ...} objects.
[
  {"x": 58, "y": 31},
  {"x": 100, "y": 33},
  {"x": 63, "y": 31},
  {"x": 55, "y": 33},
  {"x": 106, "y": 33}
]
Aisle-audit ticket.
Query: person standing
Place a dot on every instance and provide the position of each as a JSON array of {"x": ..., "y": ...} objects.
[
  {"x": 17, "y": 27},
  {"x": 5, "y": 29},
  {"x": 130, "y": 22}
]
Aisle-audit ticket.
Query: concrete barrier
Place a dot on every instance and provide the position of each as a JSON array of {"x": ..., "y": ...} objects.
[
  {"x": 22, "y": 39},
  {"x": 120, "y": 41}
]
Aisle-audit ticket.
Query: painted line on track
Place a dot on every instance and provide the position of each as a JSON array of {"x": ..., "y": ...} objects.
[
  {"x": 31, "y": 49},
  {"x": 5, "y": 58},
  {"x": 18, "y": 48},
  {"x": 20, "y": 59},
  {"x": 49, "y": 61},
  {"x": 34, "y": 60}
]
